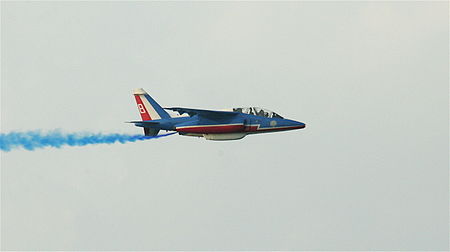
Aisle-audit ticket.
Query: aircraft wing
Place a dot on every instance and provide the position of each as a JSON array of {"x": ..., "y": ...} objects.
[{"x": 204, "y": 113}]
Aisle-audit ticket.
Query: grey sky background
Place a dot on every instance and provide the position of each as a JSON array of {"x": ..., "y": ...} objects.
[{"x": 370, "y": 171}]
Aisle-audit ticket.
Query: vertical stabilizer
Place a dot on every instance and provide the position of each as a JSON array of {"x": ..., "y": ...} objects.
[{"x": 147, "y": 107}]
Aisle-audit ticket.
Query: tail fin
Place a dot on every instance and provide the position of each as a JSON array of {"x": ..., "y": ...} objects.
[{"x": 149, "y": 108}]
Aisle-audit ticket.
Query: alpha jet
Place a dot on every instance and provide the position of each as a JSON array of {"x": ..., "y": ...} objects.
[{"x": 228, "y": 124}]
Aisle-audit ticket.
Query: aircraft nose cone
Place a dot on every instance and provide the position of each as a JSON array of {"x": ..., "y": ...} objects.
[
  {"x": 297, "y": 125},
  {"x": 300, "y": 125}
]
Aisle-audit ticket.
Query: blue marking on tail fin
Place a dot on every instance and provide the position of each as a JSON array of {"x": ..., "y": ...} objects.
[{"x": 162, "y": 113}]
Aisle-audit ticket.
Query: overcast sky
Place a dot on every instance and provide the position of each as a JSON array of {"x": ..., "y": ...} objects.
[{"x": 370, "y": 171}]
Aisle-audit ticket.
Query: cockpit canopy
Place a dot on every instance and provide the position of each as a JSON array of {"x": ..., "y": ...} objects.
[{"x": 258, "y": 112}]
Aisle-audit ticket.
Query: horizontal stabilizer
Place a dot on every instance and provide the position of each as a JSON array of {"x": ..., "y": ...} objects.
[{"x": 146, "y": 124}]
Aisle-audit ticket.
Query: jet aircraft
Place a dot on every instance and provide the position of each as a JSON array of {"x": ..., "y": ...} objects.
[{"x": 229, "y": 124}]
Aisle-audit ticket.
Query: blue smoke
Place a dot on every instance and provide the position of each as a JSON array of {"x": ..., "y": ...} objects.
[{"x": 36, "y": 139}]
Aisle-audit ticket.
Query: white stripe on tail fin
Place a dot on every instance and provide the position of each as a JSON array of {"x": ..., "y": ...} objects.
[{"x": 148, "y": 108}]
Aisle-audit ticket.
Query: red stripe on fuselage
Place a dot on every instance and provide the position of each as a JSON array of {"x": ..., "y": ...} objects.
[
  {"x": 227, "y": 128},
  {"x": 209, "y": 129},
  {"x": 142, "y": 109}
]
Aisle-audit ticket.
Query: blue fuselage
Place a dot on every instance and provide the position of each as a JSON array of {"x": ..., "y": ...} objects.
[{"x": 240, "y": 123}]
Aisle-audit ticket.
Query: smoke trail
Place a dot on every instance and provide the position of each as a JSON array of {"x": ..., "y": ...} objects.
[{"x": 35, "y": 139}]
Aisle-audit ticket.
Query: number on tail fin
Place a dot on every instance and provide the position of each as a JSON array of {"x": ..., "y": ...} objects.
[{"x": 141, "y": 108}]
